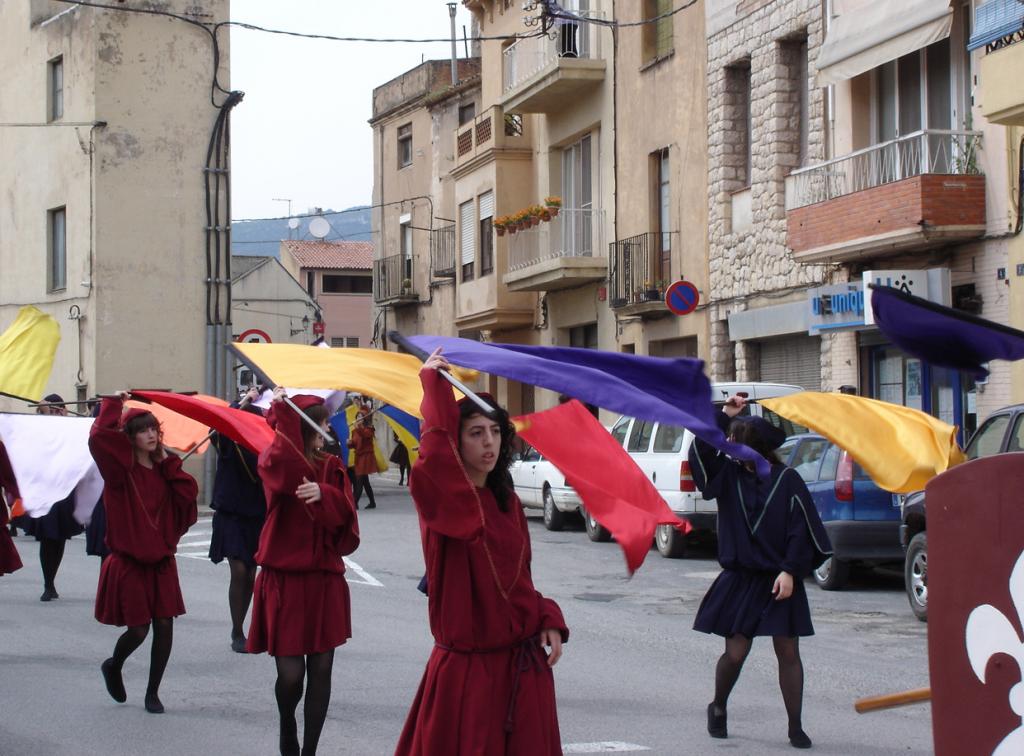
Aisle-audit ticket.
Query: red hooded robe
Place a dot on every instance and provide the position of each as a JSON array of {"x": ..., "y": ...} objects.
[
  {"x": 487, "y": 688},
  {"x": 148, "y": 510},
  {"x": 300, "y": 599}
]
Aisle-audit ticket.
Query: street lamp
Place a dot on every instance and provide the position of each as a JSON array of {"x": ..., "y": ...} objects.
[{"x": 305, "y": 325}]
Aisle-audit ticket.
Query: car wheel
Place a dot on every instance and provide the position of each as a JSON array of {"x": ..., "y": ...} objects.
[
  {"x": 832, "y": 574},
  {"x": 553, "y": 518},
  {"x": 595, "y": 531},
  {"x": 670, "y": 542},
  {"x": 916, "y": 575}
]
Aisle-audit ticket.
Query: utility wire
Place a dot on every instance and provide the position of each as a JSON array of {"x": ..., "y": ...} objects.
[{"x": 561, "y": 13}]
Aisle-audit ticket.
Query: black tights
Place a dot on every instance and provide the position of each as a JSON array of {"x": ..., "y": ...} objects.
[
  {"x": 363, "y": 482},
  {"x": 51, "y": 553},
  {"x": 240, "y": 594},
  {"x": 131, "y": 639},
  {"x": 403, "y": 472},
  {"x": 316, "y": 668},
  {"x": 791, "y": 674}
]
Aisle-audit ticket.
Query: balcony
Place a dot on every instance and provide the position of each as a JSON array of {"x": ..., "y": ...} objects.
[
  {"x": 491, "y": 133},
  {"x": 559, "y": 253},
  {"x": 393, "y": 282},
  {"x": 549, "y": 72},
  {"x": 641, "y": 271},
  {"x": 999, "y": 28},
  {"x": 442, "y": 252},
  {"x": 912, "y": 193}
]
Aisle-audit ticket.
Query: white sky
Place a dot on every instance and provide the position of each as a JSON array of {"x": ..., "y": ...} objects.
[{"x": 301, "y": 132}]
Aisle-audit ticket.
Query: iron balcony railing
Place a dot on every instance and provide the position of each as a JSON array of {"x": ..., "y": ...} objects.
[
  {"x": 926, "y": 151},
  {"x": 641, "y": 268},
  {"x": 574, "y": 232},
  {"x": 442, "y": 251},
  {"x": 528, "y": 56},
  {"x": 393, "y": 279}
]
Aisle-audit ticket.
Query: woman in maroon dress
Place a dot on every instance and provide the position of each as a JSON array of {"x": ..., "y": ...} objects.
[
  {"x": 10, "y": 561},
  {"x": 301, "y": 609},
  {"x": 488, "y": 686},
  {"x": 150, "y": 503},
  {"x": 366, "y": 459}
]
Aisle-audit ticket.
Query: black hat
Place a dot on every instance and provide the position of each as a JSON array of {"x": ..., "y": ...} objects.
[
  {"x": 53, "y": 398},
  {"x": 774, "y": 437}
]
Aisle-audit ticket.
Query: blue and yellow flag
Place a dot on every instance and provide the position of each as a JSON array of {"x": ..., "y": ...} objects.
[
  {"x": 901, "y": 448},
  {"x": 406, "y": 427},
  {"x": 27, "y": 350}
]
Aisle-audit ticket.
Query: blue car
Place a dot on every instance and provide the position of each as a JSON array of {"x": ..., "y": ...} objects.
[{"x": 862, "y": 520}]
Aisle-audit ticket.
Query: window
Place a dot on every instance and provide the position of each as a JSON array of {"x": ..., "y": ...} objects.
[
  {"x": 808, "y": 458},
  {"x": 663, "y": 205},
  {"x": 346, "y": 284},
  {"x": 57, "y": 261},
  {"x": 467, "y": 239},
  {"x": 794, "y": 101},
  {"x": 486, "y": 233},
  {"x": 669, "y": 438},
  {"x": 405, "y": 246},
  {"x": 342, "y": 342},
  {"x": 737, "y": 121},
  {"x": 311, "y": 283},
  {"x": 640, "y": 436},
  {"x": 619, "y": 431},
  {"x": 467, "y": 113},
  {"x": 55, "y": 75},
  {"x": 584, "y": 336},
  {"x": 405, "y": 145},
  {"x": 657, "y": 36},
  {"x": 578, "y": 198},
  {"x": 1016, "y": 442},
  {"x": 989, "y": 438}
]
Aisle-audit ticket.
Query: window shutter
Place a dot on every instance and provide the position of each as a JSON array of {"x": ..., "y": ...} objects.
[
  {"x": 467, "y": 230},
  {"x": 486, "y": 205}
]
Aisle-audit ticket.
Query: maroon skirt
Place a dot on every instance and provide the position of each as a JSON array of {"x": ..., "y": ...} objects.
[
  {"x": 299, "y": 613},
  {"x": 10, "y": 561},
  {"x": 135, "y": 593}
]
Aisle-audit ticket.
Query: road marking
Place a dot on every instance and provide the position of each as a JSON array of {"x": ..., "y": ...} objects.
[
  {"x": 367, "y": 578},
  {"x": 605, "y": 746}
]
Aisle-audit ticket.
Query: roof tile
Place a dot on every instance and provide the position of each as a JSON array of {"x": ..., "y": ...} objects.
[{"x": 335, "y": 255}]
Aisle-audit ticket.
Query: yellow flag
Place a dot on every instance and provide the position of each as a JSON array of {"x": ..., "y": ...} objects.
[
  {"x": 27, "y": 350},
  {"x": 899, "y": 447},
  {"x": 389, "y": 376}
]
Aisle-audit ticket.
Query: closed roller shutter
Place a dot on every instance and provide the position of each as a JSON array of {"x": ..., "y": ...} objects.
[
  {"x": 795, "y": 360},
  {"x": 486, "y": 205},
  {"x": 467, "y": 230}
]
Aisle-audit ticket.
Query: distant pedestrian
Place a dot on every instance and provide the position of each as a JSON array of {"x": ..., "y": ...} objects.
[
  {"x": 770, "y": 537},
  {"x": 239, "y": 509},
  {"x": 400, "y": 457},
  {"x": 150, "y": 504},
  {"x": 301, "y": 608},
  {"x": 53, "y": 529},
  {"x": 366, "y": 459}
]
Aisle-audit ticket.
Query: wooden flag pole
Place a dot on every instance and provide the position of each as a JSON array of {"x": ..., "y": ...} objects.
[
  {"x": 892, "y": 700},
  {"x": 420, "y": 354}
]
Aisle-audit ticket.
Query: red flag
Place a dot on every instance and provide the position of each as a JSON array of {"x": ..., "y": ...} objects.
[
  {"x": 242, "y": 427},
  {"x": 613, "y": 489}
]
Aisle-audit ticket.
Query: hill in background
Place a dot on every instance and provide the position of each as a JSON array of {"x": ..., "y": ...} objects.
[{"x": 264, "y": 237}]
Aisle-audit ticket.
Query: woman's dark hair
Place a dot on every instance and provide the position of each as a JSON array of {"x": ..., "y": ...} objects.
[
  {"x": 140, "y": 423},
  {"x": 317, "y": 413},
  {"x": 499, "y": 480},
  {"x": 746, "y": 433}
]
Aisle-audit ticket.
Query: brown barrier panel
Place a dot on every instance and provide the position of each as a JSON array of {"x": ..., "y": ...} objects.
[{"x": 975, "y": 539}]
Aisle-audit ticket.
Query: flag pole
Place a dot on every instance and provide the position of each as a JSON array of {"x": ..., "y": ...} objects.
[
  {"x": 422, "y": 356},
  {"x": 266, "y": 380}
]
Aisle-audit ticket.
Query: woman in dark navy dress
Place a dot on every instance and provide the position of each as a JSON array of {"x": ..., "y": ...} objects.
[
  {"x": 239, "y": 509},
  {"x": 53, "y": 529},
  {"x": 770, "y": 537}
]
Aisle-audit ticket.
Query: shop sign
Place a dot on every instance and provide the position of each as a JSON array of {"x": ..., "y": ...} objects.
[{"x": 848, "y": 305}]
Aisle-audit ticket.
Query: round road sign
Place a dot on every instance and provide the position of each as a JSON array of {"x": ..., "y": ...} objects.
[
  {"x": 682, "y": 297},
  {"x": 254, "y": 336}
]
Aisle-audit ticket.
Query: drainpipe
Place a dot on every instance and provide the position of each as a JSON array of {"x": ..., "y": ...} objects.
[{"x": 455, "y": 53}]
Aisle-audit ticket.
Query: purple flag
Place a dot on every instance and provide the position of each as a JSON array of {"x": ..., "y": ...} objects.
[
  {"x": 941, "y": 335},
  {"x": 671, "y": 391}
]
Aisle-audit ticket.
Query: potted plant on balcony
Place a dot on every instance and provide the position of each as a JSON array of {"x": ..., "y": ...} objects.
[
  {"x": 554, "y": 204},
  {"x": 537, "y": 214},
  {"x": 500, "y": 224},
  {"x": 406, "y": 286},
  {"x": 651, "y": 294}
]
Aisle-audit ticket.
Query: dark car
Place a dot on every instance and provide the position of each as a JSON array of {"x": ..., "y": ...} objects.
[
  {"x": 1002, "y": 432},
  {"x": 861, "y": 519}
]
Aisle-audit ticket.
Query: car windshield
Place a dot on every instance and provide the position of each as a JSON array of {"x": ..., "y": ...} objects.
[{"x": 989, "y": 438}]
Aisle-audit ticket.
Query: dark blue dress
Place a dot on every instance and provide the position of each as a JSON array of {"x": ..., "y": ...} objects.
[
  {"x": 238, "y": 503},
  {"x": 96, "y": 532},
  {"x": 59, "y": 524},
  {"x": 764, "y": 527}
]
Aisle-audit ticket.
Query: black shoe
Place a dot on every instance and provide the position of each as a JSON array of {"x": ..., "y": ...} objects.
[
  {"x": 798, "y": 739},
  {"x": 238, "y": 645},
  {"x": 371, "y": 505},
  {"x": 717, "y": 723},
  {"x": 49, "y": 594},
  {"x": 113, "y": 680},
  {"x": 153, "y": 705}
]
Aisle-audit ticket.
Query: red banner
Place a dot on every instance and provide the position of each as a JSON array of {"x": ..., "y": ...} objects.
[{"x": 245, "y": 428}]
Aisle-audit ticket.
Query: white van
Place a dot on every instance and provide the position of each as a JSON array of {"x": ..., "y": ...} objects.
[{"x": 661, "y": 452}]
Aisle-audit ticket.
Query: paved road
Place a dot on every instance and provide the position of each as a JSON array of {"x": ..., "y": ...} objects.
[{"x": 633, "y": 673}]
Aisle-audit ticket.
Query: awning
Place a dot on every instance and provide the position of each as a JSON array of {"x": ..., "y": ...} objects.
[
  {"x": 994, "y": 20},
  {"x": 860, "y": 40}
]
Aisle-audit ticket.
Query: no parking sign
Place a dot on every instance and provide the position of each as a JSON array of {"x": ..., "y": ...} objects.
[{"x": 682, "y": 298}]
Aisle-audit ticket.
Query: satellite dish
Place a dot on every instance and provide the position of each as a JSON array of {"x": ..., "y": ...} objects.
[
  {"x": 293, "y": 223},
  {"x": 319, "y": 227}
]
